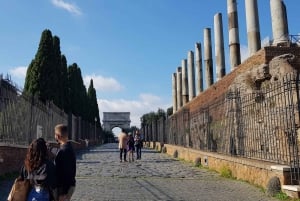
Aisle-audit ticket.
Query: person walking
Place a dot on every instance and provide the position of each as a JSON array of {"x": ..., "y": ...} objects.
[
  {"x": 138, "y": 145},
  {"x": 130, "y": 144},
  {"x": 65, "y": 162},
  {"x": 40, "y": 171},
  {"x": 123, "y": 144}
]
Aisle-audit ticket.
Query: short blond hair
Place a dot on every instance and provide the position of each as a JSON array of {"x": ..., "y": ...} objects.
[{"x": 62, "y": 129}]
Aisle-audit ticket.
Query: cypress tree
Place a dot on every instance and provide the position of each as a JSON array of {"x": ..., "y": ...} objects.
[
  {"x": 30, "y": 87},
  {"x": 78, "y": 95},
  {"x": 56, "y": 72},
  {"x": 49, "y": 78},
  {"x": 40, "y": 76},
  {"x": 44, "y": 64},
  {"x": 64, "y": 85},
  {"x": 72, "y": 83},
  {"x": 93, "y": 104},
  {"x": 84, "y": 100}
]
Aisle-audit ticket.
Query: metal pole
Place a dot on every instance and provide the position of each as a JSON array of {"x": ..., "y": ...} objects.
[{"x": 95, "y": 128}]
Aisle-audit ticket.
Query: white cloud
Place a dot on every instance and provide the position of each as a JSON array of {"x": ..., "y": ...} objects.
[
  {"x": 103, "y": 83},
  {"x": 145, "y": 104},
  {"x": 19, "y": 72},
  {"x": 265, "y": 41},
  {"x": 149, "y": 99},
  {"x": 70, "y": 7},
  {"x": 244, "y": 52}
]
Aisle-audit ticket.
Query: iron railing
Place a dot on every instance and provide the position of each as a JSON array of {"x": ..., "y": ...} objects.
[
  {"x": 24, "y": 118},
  {"x": 295, "y": 39},
  {"x": 261, "y": 125}
]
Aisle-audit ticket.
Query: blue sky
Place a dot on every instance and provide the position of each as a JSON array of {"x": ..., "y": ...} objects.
[{"x": 129, "y": 47}]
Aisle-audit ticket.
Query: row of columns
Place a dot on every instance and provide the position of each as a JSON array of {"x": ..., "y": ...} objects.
[{"x": 184, "y": 88}]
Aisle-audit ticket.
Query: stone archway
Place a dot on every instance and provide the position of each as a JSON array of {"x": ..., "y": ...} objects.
[{"x": 116, "y": 119}]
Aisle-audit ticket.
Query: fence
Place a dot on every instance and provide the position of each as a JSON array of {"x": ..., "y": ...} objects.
[
  {"x": 262, "y": 125},
  {"x": 24, "y": 118},
  {"x": 295, "y": 39}
]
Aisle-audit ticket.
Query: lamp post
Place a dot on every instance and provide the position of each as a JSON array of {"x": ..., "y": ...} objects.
[{"x": 95, "y": 128}]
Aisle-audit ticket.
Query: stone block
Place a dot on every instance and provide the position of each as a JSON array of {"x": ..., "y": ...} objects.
[{"x": 292, "y": 190}]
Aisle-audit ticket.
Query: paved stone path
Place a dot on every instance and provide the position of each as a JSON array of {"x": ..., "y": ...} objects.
[{"x": 100, "y": 176}]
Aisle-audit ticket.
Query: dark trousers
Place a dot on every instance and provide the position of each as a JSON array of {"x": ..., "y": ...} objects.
[
  {"x": 138, "y": 152},
  {"x": 121, "y": 153}
]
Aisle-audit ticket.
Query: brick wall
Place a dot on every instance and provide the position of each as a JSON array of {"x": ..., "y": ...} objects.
[
  {"x": 11, "y": 158},
  {"x": 271, "y": 52},
  {"x": 219, "y": 88}
]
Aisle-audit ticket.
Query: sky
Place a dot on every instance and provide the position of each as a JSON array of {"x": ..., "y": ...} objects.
[{"x": 130, "y": 48}]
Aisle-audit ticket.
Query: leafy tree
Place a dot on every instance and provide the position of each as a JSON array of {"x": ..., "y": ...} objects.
[
  {"x": 148, "y": 118},
  {"x": 170, "y": 111},
  {"x": 160, "y": 113},
  {"x": 133, "y": 129}
]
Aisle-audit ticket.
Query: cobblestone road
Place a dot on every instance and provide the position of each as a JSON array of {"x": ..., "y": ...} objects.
[{"x": 100, "y": 176}]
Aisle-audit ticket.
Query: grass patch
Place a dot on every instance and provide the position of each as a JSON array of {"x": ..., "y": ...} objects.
[
  {"x": 197, "y": 162},
  {"x": 282, "y": 196},
  {"x": 226, "y": 172},
  {"x": 182, "y": 160}
]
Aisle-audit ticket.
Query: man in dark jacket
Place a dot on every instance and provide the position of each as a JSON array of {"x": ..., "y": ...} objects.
[{"x": 65, "y": 162}]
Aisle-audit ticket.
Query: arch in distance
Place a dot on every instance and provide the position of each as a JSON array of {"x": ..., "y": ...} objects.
[{"x": 116, "y": 119}]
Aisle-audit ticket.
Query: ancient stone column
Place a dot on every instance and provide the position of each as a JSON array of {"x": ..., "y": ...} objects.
[
  {"x": 279, "y": 22},
  {"x": 191, "y": 75},
  {"x": 179, "y": 88},
  {"x": 208, "y": 62},
  {"x": 199, "y": 74},
  {"x": 219, "y": 46},
  {"x": 174, "y": 91},
  {"x": 234, "y": 41},
  {"x": 252, "y": 21},
  {"x": 185, "y": 86}
]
